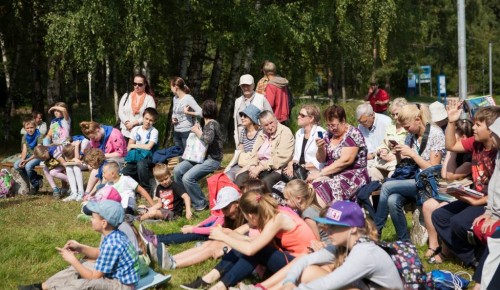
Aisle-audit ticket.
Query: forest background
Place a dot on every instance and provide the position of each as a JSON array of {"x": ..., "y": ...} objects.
[{"x": 54, "y": 50}]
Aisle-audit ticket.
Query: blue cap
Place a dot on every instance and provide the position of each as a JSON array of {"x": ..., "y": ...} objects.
[
  {"x": 109, "y": 210},
  {"x": 252, "y": 112}
]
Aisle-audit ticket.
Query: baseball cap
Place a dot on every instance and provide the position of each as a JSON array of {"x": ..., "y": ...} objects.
[
  {"x": 226, "y": 196},
  {"x": 343, "y": 213},
  {"x": 109, "y": 210},
  {"x": 438, "y": 111},
  {"x": 246, "y": 80},
  {"x": 495, "y": 127}
]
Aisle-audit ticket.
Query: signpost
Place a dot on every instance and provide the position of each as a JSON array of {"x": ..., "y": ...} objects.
[
  {"x": 441, "y": 81},
  {"x": 425, "y": 77}
]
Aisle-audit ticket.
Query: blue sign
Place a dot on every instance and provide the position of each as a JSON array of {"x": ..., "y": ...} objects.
[
  {"x": 425, "y": 74},
  {"x": 441, "y": 85},
  {"x": 412, "y": 79}
]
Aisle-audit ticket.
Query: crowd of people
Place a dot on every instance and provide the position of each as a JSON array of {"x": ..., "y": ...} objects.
[{"x": 296, "y": 212}]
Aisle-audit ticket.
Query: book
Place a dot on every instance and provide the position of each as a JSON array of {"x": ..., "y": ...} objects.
[{"x": 458, "y": 191}]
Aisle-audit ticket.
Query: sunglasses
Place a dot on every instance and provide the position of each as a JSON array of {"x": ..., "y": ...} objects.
[
  {"x": 138, "y": 85},
  {"x": 243, "y": 115}
]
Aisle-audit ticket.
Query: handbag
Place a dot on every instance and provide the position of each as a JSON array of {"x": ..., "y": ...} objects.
[
  {"x": 196, "y": 150},
  {"x": 299, "y": 172},
  {"x": 407, "y": 168}
]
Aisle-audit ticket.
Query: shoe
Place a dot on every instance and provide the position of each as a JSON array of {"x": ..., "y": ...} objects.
[
  {"x": 79, "y": 196},
  {"x": 71, "y": 197},
  {"x": 153, "y": 252},
  {"x": 196, "y": 284},
  {"x": 57, "y": 193},
  {"x": 166, "y": 260},
  {"x": 30, "y": 287},
  {"x": 147, "y": 236},
  {"x": 201, "y": 208},
  {"x": 434, "y": 261},
  {"x": 432, "y": 252}
]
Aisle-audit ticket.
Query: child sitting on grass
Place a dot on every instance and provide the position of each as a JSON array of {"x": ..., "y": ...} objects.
[
  {"x": 26, "y": 165},
  {"x": 116, "y": 264},
  {"x": 53, "y": 161},
  {"x": 142, "y": 143},
  {"x": 171, "y": 197},
  {"x": 125, "y": 185}
]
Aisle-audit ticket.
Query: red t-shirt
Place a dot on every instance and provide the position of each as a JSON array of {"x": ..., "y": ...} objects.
[
  {"x": 381, "y": 95},
  {"x": 278, "y": 99},
  {"x": 483, "y": 163}
]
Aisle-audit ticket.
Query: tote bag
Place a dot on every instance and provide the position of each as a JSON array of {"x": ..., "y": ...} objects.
[{"x": 196, "y": 150}]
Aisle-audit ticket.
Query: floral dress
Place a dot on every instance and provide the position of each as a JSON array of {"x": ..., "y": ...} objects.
[{"x": 343, "y": 185}]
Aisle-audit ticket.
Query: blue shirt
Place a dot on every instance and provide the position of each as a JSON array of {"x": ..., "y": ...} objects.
[{"x": 118, "y": 258}]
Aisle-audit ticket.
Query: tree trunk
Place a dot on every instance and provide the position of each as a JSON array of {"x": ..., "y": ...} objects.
[
  {"x": 115, "y": 90},
  {"x": 248, "y": 59},
  {"x": 330, "y": 85},
  {"x": 186, "y": 52},
  {"x": 215, "y": 77},
  {"x": 89, "y": 79},
  {"x": 195, "y": 70},
  {"x": 227, "y": 105},
  {"x": 6, "y": 111},
  {"x": 53, "y": 83},
  {"x": 342, "y": 79},
  {"x": 108, "y": 74}
]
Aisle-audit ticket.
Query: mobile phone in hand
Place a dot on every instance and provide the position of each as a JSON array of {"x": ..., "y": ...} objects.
[
  {"x": 320, "y": 135},
  {"x": 394, "y": 142}
]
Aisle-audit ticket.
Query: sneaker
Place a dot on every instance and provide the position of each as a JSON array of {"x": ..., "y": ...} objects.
[
  {"x": 30, "y": 287},
  {"x": 196, "y": 284},
  {"x": 71, "y": 197},
  {"x": 56, "y": 193},
  {"x": 201, "y": 208},
  {"x": 153, "y": 252},
  {"x": 166, "y": 260},
  {"x": 79, "y": 196},
  {"x": 147, "y": 236}
]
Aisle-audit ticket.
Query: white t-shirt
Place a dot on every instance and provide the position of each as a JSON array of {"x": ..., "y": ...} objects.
[
  {"x": 126, "y": 187},
  {"x": 142, "y": 136}
]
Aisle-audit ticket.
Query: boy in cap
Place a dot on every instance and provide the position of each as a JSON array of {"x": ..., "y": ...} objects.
[{"x": 116, "y": 265}]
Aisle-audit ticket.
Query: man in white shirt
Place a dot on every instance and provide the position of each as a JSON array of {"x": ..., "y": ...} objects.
[
  {"x": 249, "y": 96},
  {"x": 372, "y": 125}
]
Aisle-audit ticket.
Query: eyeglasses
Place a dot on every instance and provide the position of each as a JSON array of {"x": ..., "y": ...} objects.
[
  {"x": 332, "y": 125},
  {"x": 302, "y": 115},
  {"x": 138, "y": 85}
]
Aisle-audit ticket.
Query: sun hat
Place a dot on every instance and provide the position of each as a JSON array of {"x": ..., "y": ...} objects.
[
  {"x": 109, "y": 210},
  {"x": 252, "y": 112},
  {"x": 343, "y": 213},
  {"x": 438, "y": 112},
  {"x": 246, "y": 80},
  {"x": 495, "y": 127},
  {"x": 226, "y": 196}
]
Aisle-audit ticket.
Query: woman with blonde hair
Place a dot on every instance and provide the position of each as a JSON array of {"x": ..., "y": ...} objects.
[
  {"x": 308, "y": 120},
  {"x": 424, "y": 146},
  {"x": 275, "y": 223}
]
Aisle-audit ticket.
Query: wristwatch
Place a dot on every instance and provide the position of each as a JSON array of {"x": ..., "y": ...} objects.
[{"x": 225, "y": 250}]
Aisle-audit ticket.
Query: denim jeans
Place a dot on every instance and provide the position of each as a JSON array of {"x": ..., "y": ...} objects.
[
  {"x": 29, "y": 171},
  {"x": 180, "y": 139},
  {"x": 140, "y": 171},
  {"x": 180, "y": 238},
  {"x": 234, "y": 266},
  {"x": 190, "y": 173},
  {"x": 393, "y": 196},
  {"x": 452, "y": 222}
]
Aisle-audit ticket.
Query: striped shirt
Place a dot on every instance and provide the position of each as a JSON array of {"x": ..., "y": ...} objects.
[{"x": 248, "y": 143}]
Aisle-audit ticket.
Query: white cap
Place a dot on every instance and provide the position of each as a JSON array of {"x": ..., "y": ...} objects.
[
  {"x": 246, "y": 80},
  {"x": 495, "y": 127},
  {"x": 438, "y": 112},
  {"x": 226, "y": 196}
]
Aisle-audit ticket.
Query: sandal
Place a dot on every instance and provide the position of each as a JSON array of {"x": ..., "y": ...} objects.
[
  {"x": 433, "y": 252},
  {"x": 434, "y": 261}
]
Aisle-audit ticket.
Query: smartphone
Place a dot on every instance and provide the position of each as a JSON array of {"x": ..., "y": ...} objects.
[
  {"x": 394, "y": 142},
  {"x": 320, "y": 135}
]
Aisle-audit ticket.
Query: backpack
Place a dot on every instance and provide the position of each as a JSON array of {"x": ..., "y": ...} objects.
[
  {"x": 405, "y": 258},
  {"x": 6, "y": 182}
]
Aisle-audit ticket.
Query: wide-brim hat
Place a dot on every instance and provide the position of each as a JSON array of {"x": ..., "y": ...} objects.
[
  {"x": 252, "y": 112},
  {"x": 495, "y": 127}
]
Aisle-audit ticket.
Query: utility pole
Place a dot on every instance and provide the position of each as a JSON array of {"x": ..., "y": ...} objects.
[{"x": 462, "y": 62}]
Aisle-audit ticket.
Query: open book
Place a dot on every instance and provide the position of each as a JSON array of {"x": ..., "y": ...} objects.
[{"x": 459, "y": 190}]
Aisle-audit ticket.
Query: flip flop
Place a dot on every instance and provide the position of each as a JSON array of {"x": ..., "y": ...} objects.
[
  {"x": 434, "y": 261},
  {"x": 433, "y": 252}
]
